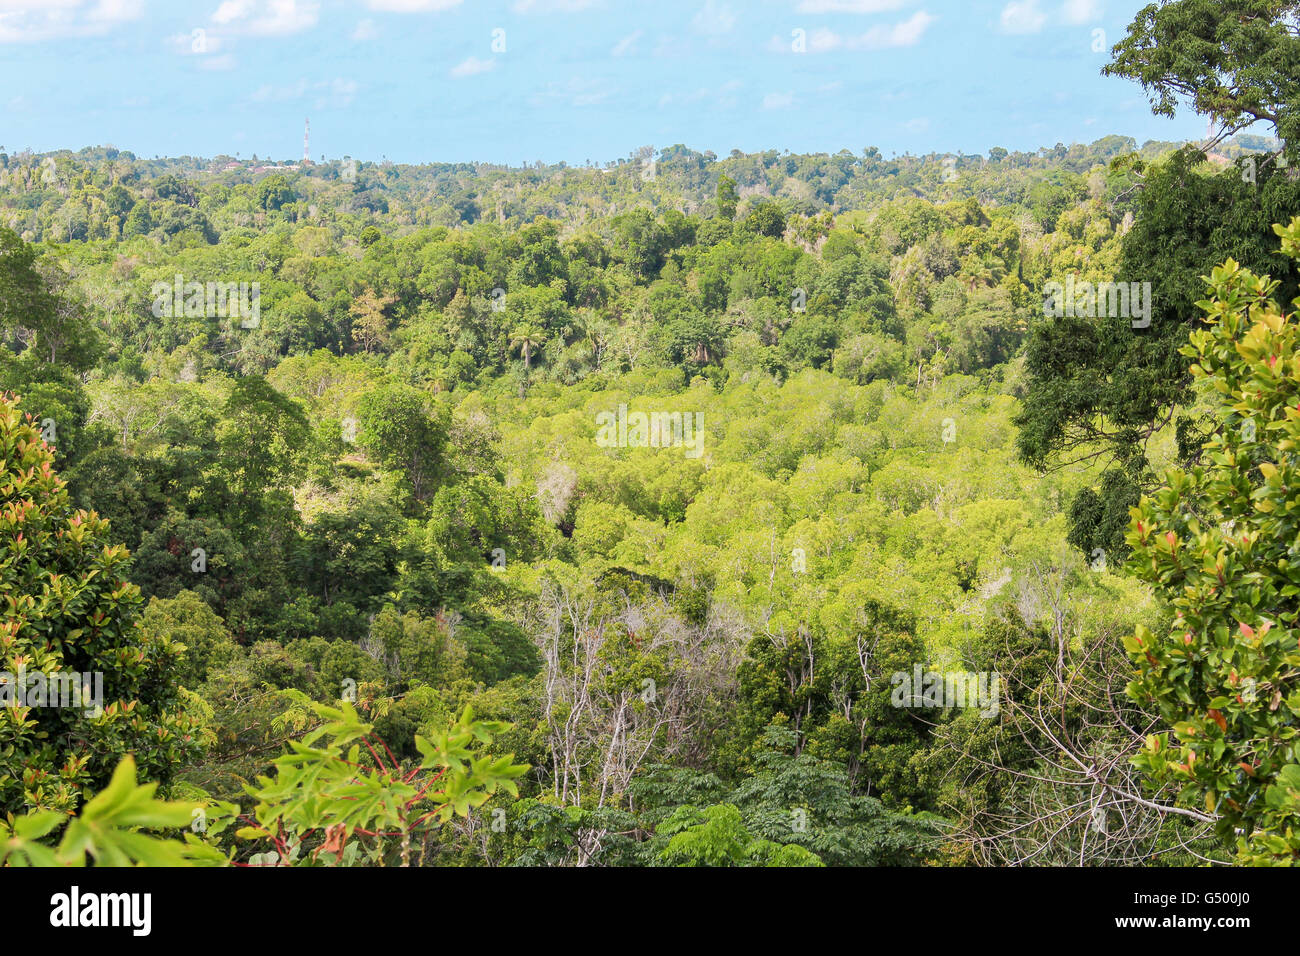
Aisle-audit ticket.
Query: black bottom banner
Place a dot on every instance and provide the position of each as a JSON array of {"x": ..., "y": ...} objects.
[{"x": 149, "y": 907}]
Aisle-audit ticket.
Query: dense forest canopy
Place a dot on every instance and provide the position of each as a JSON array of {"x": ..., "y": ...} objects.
[{"x": 660, "y": 508}]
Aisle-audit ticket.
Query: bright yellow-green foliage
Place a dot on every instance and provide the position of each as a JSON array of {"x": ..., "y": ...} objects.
[
  {"x": 325, "y": 805},
  {"x": 107, "y": 831},
  {"x": 367, "y": 809},
  {"x": 811, "y": 497},
  {"x": 716, "y": 836}
]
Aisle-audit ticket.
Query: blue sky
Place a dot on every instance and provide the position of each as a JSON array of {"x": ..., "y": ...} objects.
[{"x": 521, "y": 80}]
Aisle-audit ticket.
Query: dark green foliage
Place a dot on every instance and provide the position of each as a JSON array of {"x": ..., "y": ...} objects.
[
  {"x": 1100, "y": 388},
  {"x": 273, "y": 192}
]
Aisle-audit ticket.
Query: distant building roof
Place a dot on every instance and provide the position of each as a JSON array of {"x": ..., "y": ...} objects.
[{"x": 236, "y": 164}]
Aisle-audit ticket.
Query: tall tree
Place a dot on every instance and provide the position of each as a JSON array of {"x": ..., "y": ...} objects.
[
  {"x": 1101, "y": 388},
  {"x": 1236, "y": 61},
  {"x": 400, "y": 429},
  {"x": 727, "y": 197},
  {"x": 525, "y": 339},
  {"x": 25, "y": 303},
  {"x": 262, "y": 437},
  {"x": 370, "y": 328}
]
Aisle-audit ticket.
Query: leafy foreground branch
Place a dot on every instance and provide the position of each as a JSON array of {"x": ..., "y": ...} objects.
[
  {"x": 1222, "y": 544},
  {"x": 324, "y": 805}
]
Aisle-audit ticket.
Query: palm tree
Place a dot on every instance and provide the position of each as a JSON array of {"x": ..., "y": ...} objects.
[
  {"x": 978, "y": 272},
  {"x": 525, "y": 339}
]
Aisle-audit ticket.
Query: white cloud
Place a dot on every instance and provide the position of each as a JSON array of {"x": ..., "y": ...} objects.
[
  {"x": 918, "y": 124},
  {"x": 1022, "y": 16},
  {"x": 328, "y": 93},
  {"x": 217, "y": 63},
  {"x": 232, "y": 10},
  {"x": 268, "y": 17},
  {"x": 471, "y": 66},
  {"x": 624, "y": 46},
  {"x": 1079, "y": 12},
  {"x": 778, "y": 101},
  {"x": 907, "y": 33},
  {"x": 553, "y": 6},
  {"x": 115, "y": 11},
  {"x": 849, "y": 6},
  {"x": 722, "y": 97},
  {"x": 338, "y": 92},
  {"x": 576, "y": 92},
  {"x": 31, "y": 21},
  {"x": 714, "y": 18},
  {"x": 365, "y": 30},
  {"x": 412, "y": 6}
]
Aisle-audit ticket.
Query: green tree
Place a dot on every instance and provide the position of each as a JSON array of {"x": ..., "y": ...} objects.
[
  {"x": 370, "y": 325},
  {"x": 402, "y": 431},
  {"x": 325, "y": 805},
  {"x": 261, "y": 438},
  {"x": 727, "y": 197},
  {"x": 640, "y": 242},
  {"x": 525, "y": 339},
  {"x": 1101, "y": 389},
  {"x": 1236, "y": 61},
  {"x": 274, "y": 191},
  {"x": 716, "y": 836},
  {"x": 107, "y": 831},
  {"x": 70, "y": 620},
  {"x": 810, "y": 802},
  {"x": 765, "y": 219},
  {"x": 197, "y": 631},
  {"x": 139, "y": 221},
  {"x": 25, "y": 303},
  {"x": 1219, "y": 544},
  {"x": 118, "y": 201}
]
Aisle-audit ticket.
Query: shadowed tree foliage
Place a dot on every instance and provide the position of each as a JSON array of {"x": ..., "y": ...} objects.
[{"x": 1101, "y": 389}]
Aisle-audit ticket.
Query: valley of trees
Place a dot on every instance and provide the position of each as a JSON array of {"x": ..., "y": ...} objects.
[{"x": 365, "y": 589}]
